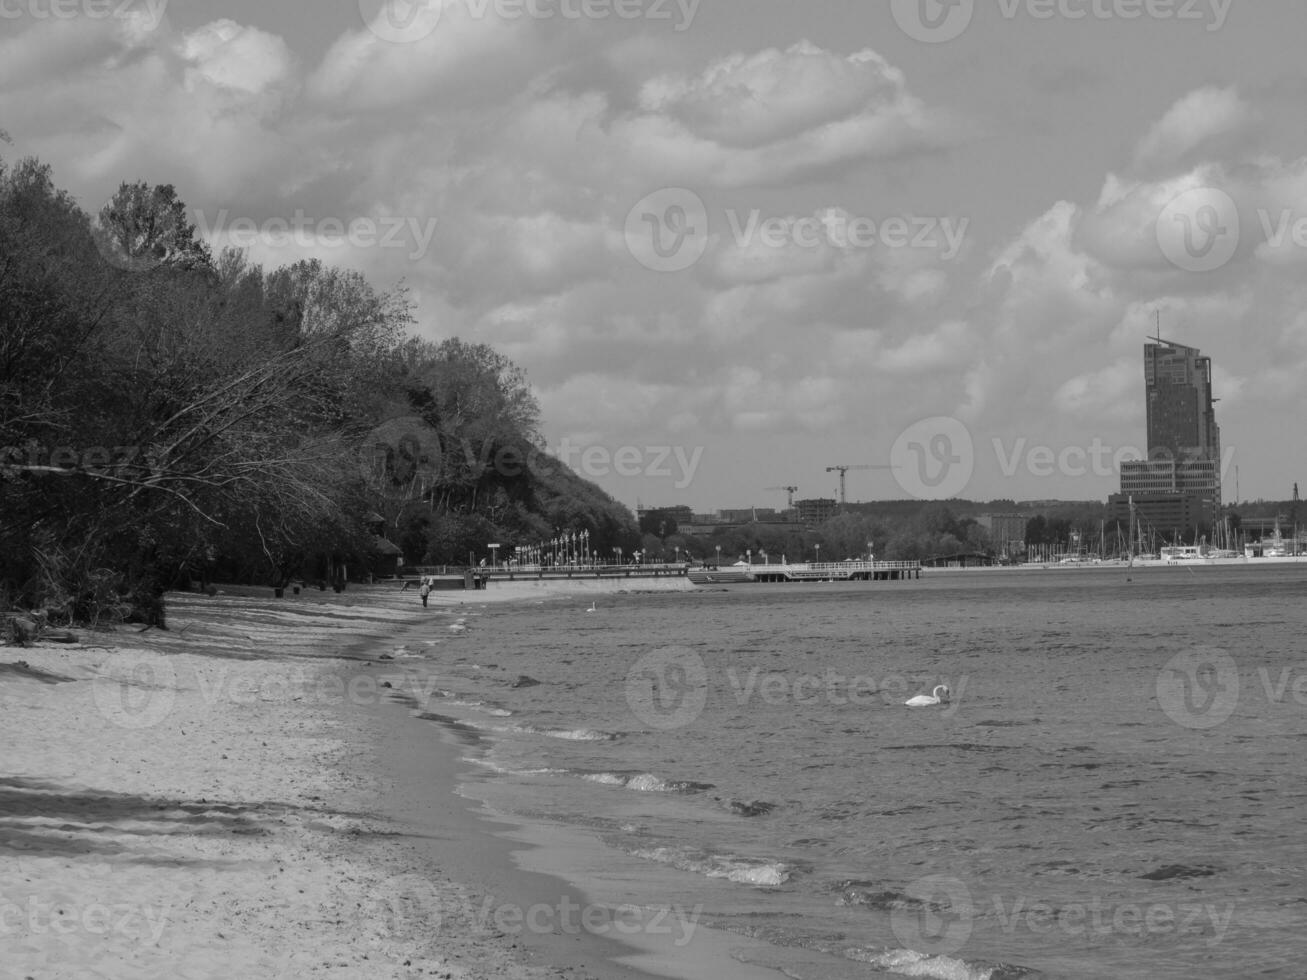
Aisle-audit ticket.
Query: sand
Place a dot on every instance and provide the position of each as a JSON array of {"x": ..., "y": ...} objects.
[{"x": 195, "y": 803}]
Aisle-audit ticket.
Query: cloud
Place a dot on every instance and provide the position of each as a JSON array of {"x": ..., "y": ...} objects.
[
  {"x": 778, "y": 116},
  {"x": 1200, "y": 117},
  {"x": 230, "y": 56},
  {"x": 947, "y": 346},
  {"x": 1108, "y": 393},
  {"x": 456, "y": 61}
]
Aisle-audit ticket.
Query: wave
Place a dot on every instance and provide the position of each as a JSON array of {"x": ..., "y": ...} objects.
[
  {"x": 910, "y": 963},
  {"x": 574, "y": 735},
  {"x": 480, "y": 706},
  {"x": 644, "y": 782},
  {"x": 744, "y": 871},
  {"x": 500, "y": 769}
]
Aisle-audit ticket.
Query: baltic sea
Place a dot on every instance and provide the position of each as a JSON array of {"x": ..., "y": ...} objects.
[{"x": 1114, "y": 789}]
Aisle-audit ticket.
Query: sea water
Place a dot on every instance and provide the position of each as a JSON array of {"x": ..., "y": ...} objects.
[{"x": 1115, "y": 787}]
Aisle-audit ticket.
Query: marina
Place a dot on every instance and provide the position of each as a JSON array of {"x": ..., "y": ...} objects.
[{"x": 832, "y": 571}]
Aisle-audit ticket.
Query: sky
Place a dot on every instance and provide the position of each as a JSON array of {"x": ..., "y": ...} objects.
[{"x": 734, "y": 243}]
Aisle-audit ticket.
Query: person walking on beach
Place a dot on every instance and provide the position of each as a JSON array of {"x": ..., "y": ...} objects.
[{"x": 424, "y": 592}]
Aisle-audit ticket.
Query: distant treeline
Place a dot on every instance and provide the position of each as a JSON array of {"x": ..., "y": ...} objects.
[
  {"x": 168, "y": 416},
  {"x": 905, "y": 530}
]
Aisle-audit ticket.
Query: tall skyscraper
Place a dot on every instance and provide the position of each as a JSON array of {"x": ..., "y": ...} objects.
[
  {"x": 1178, "y": 487},
  {"x": 1181, "y": 413}
]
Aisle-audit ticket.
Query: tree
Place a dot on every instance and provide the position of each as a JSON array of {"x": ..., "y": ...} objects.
[{"x": 143, "y": 227}]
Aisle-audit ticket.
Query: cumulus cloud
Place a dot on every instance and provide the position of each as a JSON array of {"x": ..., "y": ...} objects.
[{"x": 1198, "y": 118}]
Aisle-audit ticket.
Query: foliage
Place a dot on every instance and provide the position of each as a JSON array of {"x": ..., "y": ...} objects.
[{"x": 168, "y": 415}]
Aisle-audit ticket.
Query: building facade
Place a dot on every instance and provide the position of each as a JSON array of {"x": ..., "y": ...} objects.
[
  {"x": 1007, "y": 533},
  {"x": 1177, "y": 488},
  {"x": 815, "y": 511},
  {"x": 1181, "y": 410}
]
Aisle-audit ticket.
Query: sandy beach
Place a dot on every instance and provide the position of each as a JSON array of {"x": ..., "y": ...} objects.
[{"x": 204, "y": 802}]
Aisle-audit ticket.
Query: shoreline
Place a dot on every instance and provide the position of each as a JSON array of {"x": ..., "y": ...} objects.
[
  {"x": 183, "y": 802},
  {"x": 530, "y": 875},
  {"x": 245, "y": 794}
]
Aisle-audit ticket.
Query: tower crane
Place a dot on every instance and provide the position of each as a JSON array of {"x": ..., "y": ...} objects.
[
  {"x": 844, "y": 469},
  {"x": 789, "y": 490}
]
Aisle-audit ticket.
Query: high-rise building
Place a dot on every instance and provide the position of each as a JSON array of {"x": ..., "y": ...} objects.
[
  {"x": 1181, "y": 413},
  {"x": 1178, "y": 487}
]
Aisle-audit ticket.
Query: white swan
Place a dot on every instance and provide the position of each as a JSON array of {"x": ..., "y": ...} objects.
[
  {"x": 592, "y": 606},
  {"x": 937, "y": 696}
]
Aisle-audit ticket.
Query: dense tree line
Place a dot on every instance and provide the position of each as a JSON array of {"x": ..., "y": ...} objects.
[{"x": 169, "y": 416}]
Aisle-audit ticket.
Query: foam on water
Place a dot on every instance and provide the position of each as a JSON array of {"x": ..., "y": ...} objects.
[
  {"x": 744, "y": 871},
  {"x": 910, "y": 963},
  {"x": 644, "y": 782}
]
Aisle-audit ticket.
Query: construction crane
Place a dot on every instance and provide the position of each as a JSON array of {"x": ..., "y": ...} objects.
[
  {"x": 789, "y": 490},
  {"x": 844, "y": 469}
]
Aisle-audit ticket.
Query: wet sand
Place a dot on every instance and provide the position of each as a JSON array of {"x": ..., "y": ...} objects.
[{"x": 245, "y": 795}]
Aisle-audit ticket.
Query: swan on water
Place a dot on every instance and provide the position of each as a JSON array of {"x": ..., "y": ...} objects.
[
  {"x": 937, "y": 696},
  {"x": 592, "y": 606}
]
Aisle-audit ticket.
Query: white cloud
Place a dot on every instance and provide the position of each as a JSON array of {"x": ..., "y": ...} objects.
[{"x": 1200, "y": 116}]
